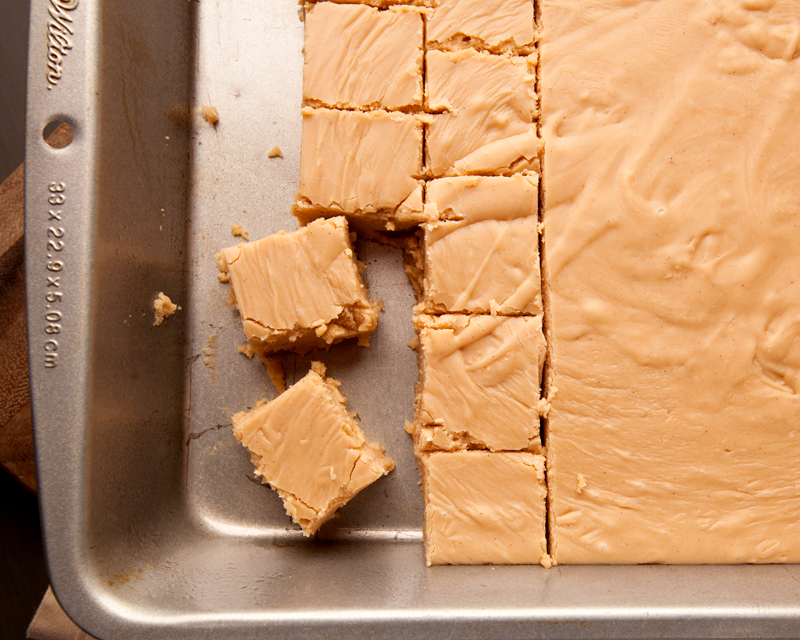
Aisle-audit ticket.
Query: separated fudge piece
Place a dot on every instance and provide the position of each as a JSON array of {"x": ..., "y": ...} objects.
[
  {"x": 480, "y": 381},
  {"x": 362, "y": 164},
  {"x": 496, "y": 25},
  {"x": 300, "y": 290},
  {"x": 488, "y": 107},
  {"x": 672, "y": 208},
  {"x": 484, "y": 508},
  {"x": 359, "y": 57},
  {"x": 482, "y": 252},
  {"x": 307, "y": 446}
]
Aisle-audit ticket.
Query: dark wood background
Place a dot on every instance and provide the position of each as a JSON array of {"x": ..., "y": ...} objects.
[{"x": 23, "y": 579}]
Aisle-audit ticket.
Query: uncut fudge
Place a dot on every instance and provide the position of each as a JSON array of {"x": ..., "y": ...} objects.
[
  {"x": 299, "y": 291},
  {"x": 307, "y": 446},
  {"x": 359, "y": 57},
  {"x": 365, "y": 165},
  {"x": 484, "y": 508},
  {"x": 481, "y": 254},
  {"x": 499, "y": 26},
  {"x": 672, "y": 208},
  {"x": 486, "y": 110},
  {"x": 479, "y": 382}
]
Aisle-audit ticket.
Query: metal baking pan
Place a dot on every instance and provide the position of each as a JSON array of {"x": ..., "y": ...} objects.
[{"x": 154, "y": 524}]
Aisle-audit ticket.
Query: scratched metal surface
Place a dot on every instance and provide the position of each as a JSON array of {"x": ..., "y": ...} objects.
[{"x": 154, "y": 525}]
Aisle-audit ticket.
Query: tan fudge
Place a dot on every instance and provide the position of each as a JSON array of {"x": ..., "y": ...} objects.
[
  {"x": 480, "y": 381},
  {"x": 301, "y": 290},
  {"x": 671, "y": 242},
  {"x": 482, "y": 252},
  {"x": 365, "y": 165},
  {"x": 307, "y": 446},
  {"x": 499, "y": 26},
  {"x": 382, "y": 4},
  {"x": 359, "y": 57},
  {"x": 484, "y": 508},
  {"x": 487, "y": 108}
]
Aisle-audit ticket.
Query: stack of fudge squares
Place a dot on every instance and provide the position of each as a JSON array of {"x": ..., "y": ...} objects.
[{"x": 427, "y": 115}]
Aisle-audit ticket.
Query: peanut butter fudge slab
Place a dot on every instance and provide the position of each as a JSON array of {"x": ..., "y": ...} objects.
[
  {"x": 301, "y": 290},
  {"x": 487, "y": 108},
  {"x": 365, "y": 165},
  {"x": 362, "y": 58},
  {"x": 481, "y": 253},
  {"x": 484, "y": 508},
  {"x": 499, "y": 26},
  {"x": 307, "y": 446},
  {"x": 479, "y": 382},
  {"x": 672, "y": 208}
]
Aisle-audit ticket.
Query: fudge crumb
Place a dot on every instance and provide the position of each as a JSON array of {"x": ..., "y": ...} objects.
[
  {"x": 318, "y": 368},
  {"x": 543, "y": 407},
  {"x": 164, "y": 308},
  {"x": 246, "y": 349},
  {"x": 581, "y": 484},
  {"x": 275, "y": 152},
  {"x": 210, "y": 355},
  {"x": 222, "y": 265},
  {"x": 239, "y": 230},
  {"x": 210, "y": 113},
  {"x": 413, "y": 344}
]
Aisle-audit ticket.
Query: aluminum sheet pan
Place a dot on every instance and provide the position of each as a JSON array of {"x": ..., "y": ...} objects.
[{"x": 154, "y": 524}]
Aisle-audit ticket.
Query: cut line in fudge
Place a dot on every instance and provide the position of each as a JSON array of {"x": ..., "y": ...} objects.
[
  {"x": 547, "y": 388},
  {"x": 497, "y": 26}
]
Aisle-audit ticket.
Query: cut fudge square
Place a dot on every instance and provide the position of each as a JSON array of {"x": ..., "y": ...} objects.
[
  {"x": 307, "y": 446},
  {"x": 480, "y": 380},
  {"x": 302, "y": 290},
  {"x": 382, "y": 4},
  {"x": 499, "y": 26},
  {"x": 484, "y": 508},
  {"x": 359, "y": 57},
  {"x": 365, "y": 165},
  {"x": 488, "y": 107},
  {"x": 482, "y": 252}
]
